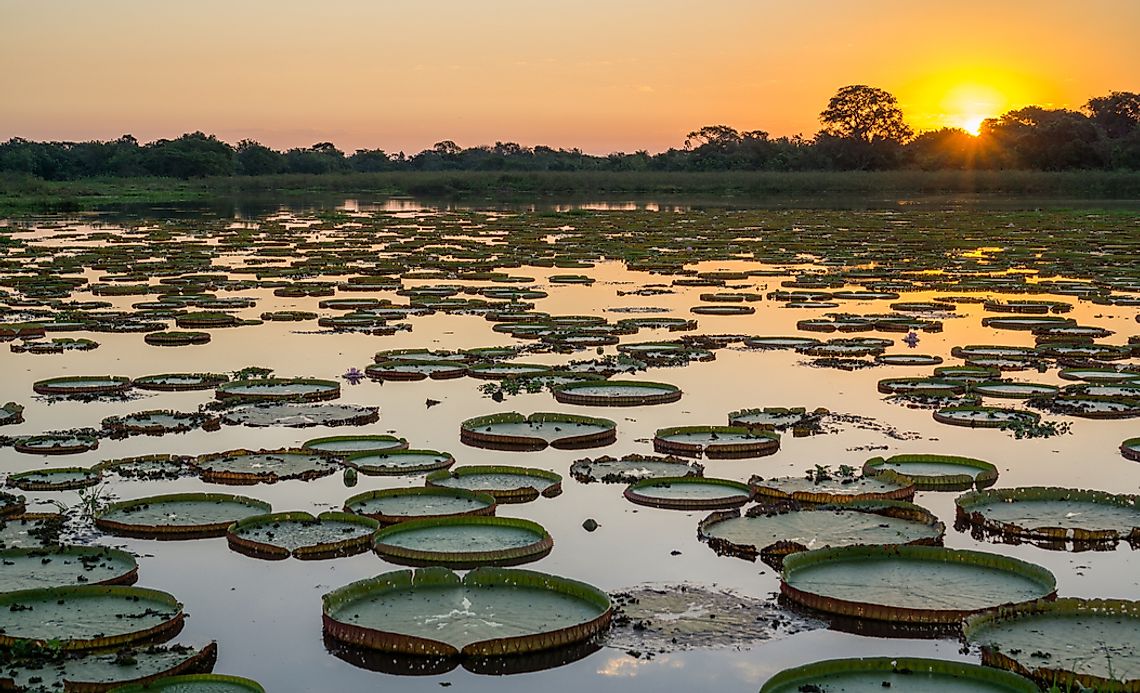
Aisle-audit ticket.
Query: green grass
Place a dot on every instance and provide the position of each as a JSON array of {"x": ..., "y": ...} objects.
[{"x": 25, "y": 194}]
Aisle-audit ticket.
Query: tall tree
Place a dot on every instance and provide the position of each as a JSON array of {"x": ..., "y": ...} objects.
[
  {"x": 865, "y": 113},
  {"x": 1118, "y": 113}
]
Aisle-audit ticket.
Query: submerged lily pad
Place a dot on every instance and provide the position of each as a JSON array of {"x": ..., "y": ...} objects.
[
  {"x": 773, "y": 418},
  {"x": 301, "y": 535},
  {"x": 178, "y": 515},
  {"x": 1058, "y": 514},
  {"x": 933, "y": 472},
  {"x": 300, "y": 415},
  {"x": 773, "y": 532},
  {"x": 401, "y": 504},
  {"x": 716, "y": 442},
  {"x": 59, "y": 566},
  {"x": 688, "y": 493},
  {"x": 513, "y": 431},
  {"x": 150, "y": 467},
  {"x": 507, "y": 484},
  {"x": 872, "y": 674},
  {"x": 88, "y": 617},
  {"x": 487, "y": 612},
  {"x": 910, "y": 584},
  {"x": 631, "y": 468},
  {"x": 1086, "y": 644},
  {"x": 464, "y": 542}
]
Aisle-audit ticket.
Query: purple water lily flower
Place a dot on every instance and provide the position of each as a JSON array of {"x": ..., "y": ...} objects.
[{"x": 354, "y": 376}]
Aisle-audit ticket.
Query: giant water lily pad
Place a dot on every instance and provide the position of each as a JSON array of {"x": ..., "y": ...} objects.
[
  {"x": 178, "y": 515},
  {"x": 55, "y": 479},
  {"x": 399, "y": 462},
  {"x": 158, "y": 422},
  {"x": 464, "y": 542},
  {"x": 263, "y": 466},
  {"x": 688, "y": 493},
  {"x": 1131, "y": 449},
  {"x": 910, "y": 584},
  {"x": 11, "y": 414},
  {"x": 776, "y": 531},
  {"x": 172, "y": 382},
  {"x": 772, "y": 418},
  {"x": 415, "y": 369},
  {"x": 616, "y": 393},
  {"x": 984, "y": 417},
  {"x": 874, "y": 674},
  {"x": 354, "y": 445},
  {"x": 81, "y": 385},
  {"x": 150, "y": 467},
  {"x": 1085, "y": 644},
  {"x": 506, "y": 483},
  {"x": 835, "y": 490},
  {"x": 196, "y": 683},
  {"x": 1056, "y": 514},
  {"x": 56, "y": 444},
  {"x": 300, "y": 415},
  {"x": 279, "y": 389},
  {"x": 60, "y": 566},
  {"x": 84, "y": 671},
  {"x": 716, "y": 442},
  {"x": 88, "y": 617},
  {"x": 513, "y": 431},
  {"x": 933, "y": 472},
  {"x": 301, "y": 535},
  {"x": 631, "y": 468},
  {"x": 29, "y": 530},
  {"x": 1013, "y": 390},
  {"x": 487, "y": 612},
  {"x": 401, "y": 504}
]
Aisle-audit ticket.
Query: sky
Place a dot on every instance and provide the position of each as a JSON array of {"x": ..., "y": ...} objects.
[{"x": 599, "y": 75}]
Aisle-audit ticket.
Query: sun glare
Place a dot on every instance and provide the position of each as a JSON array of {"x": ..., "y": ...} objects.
[
  {"x": 972, "y": 123},
  {"x": 967, "y": 105}
]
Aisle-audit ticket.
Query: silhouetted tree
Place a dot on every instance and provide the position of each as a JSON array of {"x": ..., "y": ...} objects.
[
  {"x": 255, "y": 159},
  {"x": 864, "y": 113},
  {"x": 1118, "y": 113},
  {"x": 1050, "y": 139},
  {"x": 190, "y": 156}
]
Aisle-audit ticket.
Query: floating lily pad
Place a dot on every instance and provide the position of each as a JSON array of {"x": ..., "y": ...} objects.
[
  {"x": 688, "y": 493},
  {"x": 487, "y": 612},
  {"x": 910, "y": 584},
  {"x": 175, "y": 382},
  {"x": 300, "y": 415},
  {"x": 908, "y": 359},
  {"x": 1057, "y": 514},
  {"x": 716, "y": 442},
  {"x": 499, "y": 371},
  {"x": 775, "y": 531},
  {"x": 78, "y": 385},
  {"x": 1131, "y": 449},
  {"x": 1099, "y": 375},
  {"x": 463, "y": 542},
  {"x": 300, "y": 535},
  {"x": 616, "y": 393},
  {"x": 279, "y": 389},
  {"x": 25, "y": 530},
  {"x": 399, "y": 462},
  {"x": 780, "y": 342},
  {"x": 513, "y": 431},
  {"x": 871, "y": 674},
  {"x": 933, "y": 472},
  {"x": 11, "y": 413},
  {"x": 83, "y": 671},
  {"x": 88, "y": 617},
  {"x": 60, "y": 566},
  {"x": 1070, "y": 644},
  {"x": 355, "y": 445},
  {"x": 835, "y": 490},
  {"x": 401, "y": 504},
  {"x": 150, "y": 467},
  {"x": 56, "y": 444},
  {"x": 416, "y": 370},
  {"x": 178, "y": 515},
  {"x": 55, "y": 479},
  {"x": 196, "y": 683},
  {"x": 507, "y": 484},
  {"x": 984, "y": 417},
  {"x": 158, "y": 422},
  {"x": 631, "y": 468},
  {"x": 263, "y": 466},
  {"x": 1013, "y": 390},
  {"x": 920, "y": 386},
  {"x": 176, "y": 338}
]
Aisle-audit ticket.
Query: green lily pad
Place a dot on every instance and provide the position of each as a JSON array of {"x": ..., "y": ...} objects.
[
  {"x": 506, "y": 483},
  {"x": 399, "y": 462},
  {"x": 631, "y": 468},
  {"x": 401, "y": 504},
  {"x": 1057, "y": 514},
  {"x": 933, "y": 472},
  {"x": 178, "y": 515},
  {"x": 55, "y": 479},
  {"x": 834, "y": 490},
  {"x": 873, "y": 674},
  {"x": 513, "y": 431},
  {"x": 60, "y": 566},
  {"x": 196, "y": 683},
  {"x": 616, "y": 393},
  {"x": 463, "y": 542},
  {"x": 263, "y": 466},
  {"x": 301, "y": 535},
  {"x": 354, "y": 445},
  {"x": 688, "y": 493},
  {"x": 84, "y": 671},
  {"x": 88, "y": 617},
  {"x": 716, "y": 442}
]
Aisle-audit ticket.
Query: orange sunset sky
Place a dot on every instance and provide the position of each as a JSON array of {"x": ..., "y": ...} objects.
[{"x": 601, "y": 75}]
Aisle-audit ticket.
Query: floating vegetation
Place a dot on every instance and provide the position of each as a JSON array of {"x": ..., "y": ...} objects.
[
  {"x": 908, "y": 359},
  {"x": 1089, "y": 406},
  {"x": 48, "y": 668},
  {"x": 506, "y": 484},
  {"x": 301, "y": 535},
  {"x": 921, "y": 585},
  {"x": 178, "y": 515},
  {"x": 905, "y": 673},
  {"x": 384, "y": 463},
  {"x": 791, "y": 343},
  {"x": 300, "y": 415},
  {"x": 178, "y": 382},
  {"x": 716, "y": 442},
  {"x": 688, "y": 493},
  {"x": 55, "y": 479},
  {"x": 1069, "y": 644},
  {"x": 984, "y": 417},
  {"x": 798, "y": 419},
  {"x": 828, "y": 488},
  {"x": 630, "y": 468},
  {"x": 150, "y": 467},
  {"x": 60, "y": 566},
  {"x": 933, "y": 472},
  {"x": 246, "y": 467},
  {"x": 81, "y": 385},
  {"x": 774, "y": 531},
  {"x": 88, "y": 617},
  {"x": 1052, "y": 514},
  {"x": 193, "y": 683},
  {"x": 463, "y": 542},
  {"x": 1099, "y": 375},
  {"x": 56, "y": 444},
  {"x": 1131, "y": 449},
  {"x": 416, "y": 370},
  {"x": 616, "y": 393},
  {"x": 921, "y": 386},
  {"x": 499, "y": 371},
  {"x": 513, "y": 431},
  {"x": 11, "y": 413},
  {"x": 288, "y": 316},
  {"x": 393, "y": 505},
  {"x": 1012, "y": 390},
  {"x": 176, "y": 338},
  {"x": 507, "y": 612},
  {"x": 355, "y": 445},
  {"x": 279, "y": 390},
  {"x": 56, "y": 345},
  {"x": 157, "y": 422}
]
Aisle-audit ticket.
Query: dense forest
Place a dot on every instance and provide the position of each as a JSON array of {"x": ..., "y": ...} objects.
[{"x": 862, "y": 129}]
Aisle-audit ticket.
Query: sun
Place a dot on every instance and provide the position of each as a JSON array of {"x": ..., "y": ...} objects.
[
  {"x": 972, "y": 123},
  {"x": 967, "y": 105}
]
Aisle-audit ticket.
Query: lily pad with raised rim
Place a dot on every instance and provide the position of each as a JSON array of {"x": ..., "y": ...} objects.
[
  {"x": 630, "y": 468},
  {"x": 716, "y": 442},
  {"x": 301, "y": 535},
  {"x": 506, "y": 483},
  {"x": 245, "y": 467},
  {"x": 56, "y": 444},
  {"x": 933, "y": 472},
  {"x": 60, "y": 566},
  {"x": 279, "y": 390},
  {"x": 399, "y": 462},
  {"x": 984, "y": 417},
  {"x": 616, "y": 393},
  {"x": 175, "y": 382},
  {"x": 88, "y": 617},
  {"x": 95, "y": 671},
  {"x": 834, "y": 490},
  {"x": 196, "y": 683},
  {"x": 55, "y": 479},
  {"x": 1053, "y": 514},
  {"x": 355, "y": 445},
  {"x": 81, "y": 385},
  {"x": 873, "y": 674},
  {"x": 463, "y": 542},
  {"x": 513, "y": 431},
  {"x": 393, "y": 505},
  {"x": 688, "y": 493},
  {"x": 178, "y": 515}
]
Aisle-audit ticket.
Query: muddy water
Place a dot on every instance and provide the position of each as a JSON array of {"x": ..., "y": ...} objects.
[{"x": 266, "y": 617}]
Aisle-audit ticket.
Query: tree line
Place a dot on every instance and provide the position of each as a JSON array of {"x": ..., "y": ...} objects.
[{"x": 863, "y": 128}]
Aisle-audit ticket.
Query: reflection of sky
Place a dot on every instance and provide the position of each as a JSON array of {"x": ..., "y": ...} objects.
[{"x": 266, "y": 616}]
